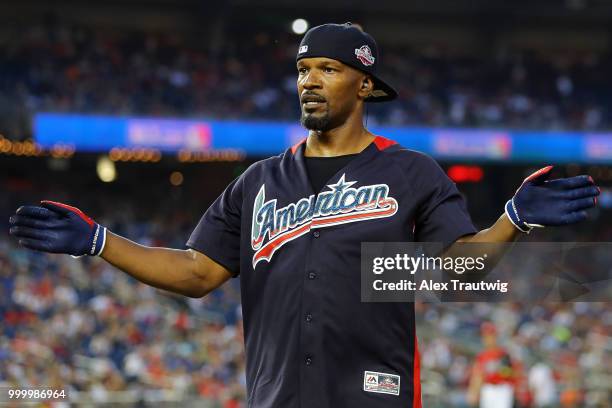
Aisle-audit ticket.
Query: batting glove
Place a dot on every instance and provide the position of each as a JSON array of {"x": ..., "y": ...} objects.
[
  {"x": 57, "y": 228},
  {"x": 540, "y": 202}
]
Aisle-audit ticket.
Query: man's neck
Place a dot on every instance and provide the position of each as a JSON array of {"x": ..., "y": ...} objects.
[{"x": 339, "y": 141}]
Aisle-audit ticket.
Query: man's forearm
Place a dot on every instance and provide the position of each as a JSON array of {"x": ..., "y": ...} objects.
[
  {"x": 169, "y": 269},
  {"x": 501, "y": 231},
  {"x": 60, "y": 228}
]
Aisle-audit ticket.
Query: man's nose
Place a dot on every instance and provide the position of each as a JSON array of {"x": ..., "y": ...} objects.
[{"x": 311, "y": 81}]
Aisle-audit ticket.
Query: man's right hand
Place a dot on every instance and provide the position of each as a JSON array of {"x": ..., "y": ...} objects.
[{"x": 58, "y": 228}]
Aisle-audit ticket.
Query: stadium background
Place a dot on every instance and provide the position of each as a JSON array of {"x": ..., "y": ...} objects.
[{"x": 78, "y": 324}]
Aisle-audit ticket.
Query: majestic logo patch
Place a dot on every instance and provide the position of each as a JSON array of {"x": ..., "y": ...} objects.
[
  {"x": 303, "y": 49},
  {"x": 381, "y": 383},
  {"x": 364, "y": 54},
  {"x": 272, "y": 228}
]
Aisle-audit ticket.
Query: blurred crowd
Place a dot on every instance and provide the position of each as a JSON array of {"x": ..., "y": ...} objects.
[
  {"x": 560, "y": 353},
  {"x": 66, "y": 68},
  {"x": 82, "y": 326}
]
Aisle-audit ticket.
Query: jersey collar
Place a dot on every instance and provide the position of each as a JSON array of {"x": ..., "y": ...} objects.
[{"x": 297, "y": 152}]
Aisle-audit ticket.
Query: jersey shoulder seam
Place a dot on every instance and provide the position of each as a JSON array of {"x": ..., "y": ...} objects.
[
  {"x": 394, "y": 153},
  {"x": 260, "y": 163},
  {"x": 399, "y": 152}
]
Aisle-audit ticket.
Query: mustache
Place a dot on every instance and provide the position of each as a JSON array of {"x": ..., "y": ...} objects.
[{"x": 311, "y": 97}]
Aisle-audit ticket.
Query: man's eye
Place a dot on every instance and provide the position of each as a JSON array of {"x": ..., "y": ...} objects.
[
  {"x": 301, "y": 70},
  {"x": 329, "y": 70}
]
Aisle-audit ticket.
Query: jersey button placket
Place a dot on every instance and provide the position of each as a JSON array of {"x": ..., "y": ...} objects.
[{"x": 310, "y": 333}]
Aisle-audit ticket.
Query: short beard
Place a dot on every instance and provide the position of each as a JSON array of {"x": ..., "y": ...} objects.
[{"x": 311, "y": 122}]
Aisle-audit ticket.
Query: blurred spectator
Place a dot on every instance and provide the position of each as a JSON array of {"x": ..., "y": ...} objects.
[
  {"x": 542, "y": 385},
  {"x": 495, "y": 378}
]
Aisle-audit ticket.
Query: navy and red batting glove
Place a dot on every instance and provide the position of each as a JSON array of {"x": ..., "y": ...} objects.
[
  {"x": 540, "y": 202},
  {"x": 57, "y": 228}
]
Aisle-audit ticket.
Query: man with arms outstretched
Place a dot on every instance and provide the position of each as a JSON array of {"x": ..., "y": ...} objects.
[{"x": 291, "y": 228}]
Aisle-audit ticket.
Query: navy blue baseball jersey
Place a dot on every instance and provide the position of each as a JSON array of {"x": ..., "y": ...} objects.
[{"x": 310, "y": 342}]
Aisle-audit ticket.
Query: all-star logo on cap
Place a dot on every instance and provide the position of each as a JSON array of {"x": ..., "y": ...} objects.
[{"x": 364, "y": 54}]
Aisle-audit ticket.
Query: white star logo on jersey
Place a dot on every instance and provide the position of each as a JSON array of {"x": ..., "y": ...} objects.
[
  {"x": 342, "y": 204},
  {"x": 341, "y": 184}
]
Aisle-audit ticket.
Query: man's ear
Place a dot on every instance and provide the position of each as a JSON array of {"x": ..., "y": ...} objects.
[{"x": 367, "y": 86}]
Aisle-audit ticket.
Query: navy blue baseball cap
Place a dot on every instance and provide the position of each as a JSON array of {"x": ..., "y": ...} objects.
[{"x": 351, "y": 46}]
